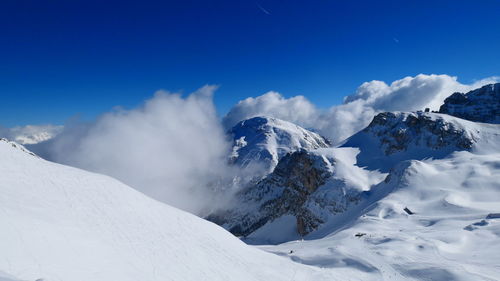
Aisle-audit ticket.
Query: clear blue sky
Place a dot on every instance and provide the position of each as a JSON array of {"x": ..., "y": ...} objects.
[{"x": 61, "y": 58}]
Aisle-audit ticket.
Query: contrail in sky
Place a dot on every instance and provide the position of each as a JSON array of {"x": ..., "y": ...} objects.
[{"x": 262, "y": 9}]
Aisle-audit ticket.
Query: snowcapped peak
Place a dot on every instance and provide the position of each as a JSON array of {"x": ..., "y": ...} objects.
[
  {"x": 262, "y": 141},
  {"x": 265, "y": 122},
  {"x": 259, "y": 120}
]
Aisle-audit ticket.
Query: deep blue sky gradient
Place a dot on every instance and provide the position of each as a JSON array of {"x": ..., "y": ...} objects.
[{"x": 61, "y": 58}]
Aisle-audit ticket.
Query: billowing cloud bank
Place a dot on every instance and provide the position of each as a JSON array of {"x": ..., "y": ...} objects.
[
  {"x": 170, "y": 148},
  {"x": 340, "y": 122},
  {"x": 296, "y": 109}
]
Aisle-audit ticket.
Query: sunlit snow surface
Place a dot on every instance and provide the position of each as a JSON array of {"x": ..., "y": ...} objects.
[
  {"x": 262, "y": 141},
  {"x": 59, "y": 223},
  {"x": 449, "y": 236}
]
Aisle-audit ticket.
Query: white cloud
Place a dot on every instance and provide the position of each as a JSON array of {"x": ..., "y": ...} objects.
[
  {"x": 409, "y": 93},
  {"x": 296, "y": 109},
  {"x": 170, "y": 148},
  {"x": 340, "y": 122},
  {"x": 30, "y": 134}
]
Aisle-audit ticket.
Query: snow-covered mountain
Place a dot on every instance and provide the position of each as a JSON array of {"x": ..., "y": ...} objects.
[
  {"x": 62, "y": 223},
  {"x": 260, "y": 142},
  {"x": 303, "y": 192},
  {"x": 431, "y": 214},
  {"x": 480, "y": 105},
  {"x": 311, "y": 193}
]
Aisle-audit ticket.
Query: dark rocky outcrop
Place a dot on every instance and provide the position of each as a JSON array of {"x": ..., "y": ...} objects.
[
  {"x": 293, "y": 188},
  {"x": 397, "y": 131},
  {"x": 480, "y": 105}
]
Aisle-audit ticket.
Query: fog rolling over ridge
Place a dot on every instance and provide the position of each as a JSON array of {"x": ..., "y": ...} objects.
[
  {"x": 168, "y": 148},
  {"x": 175, "y": 148},
  {"x": 412, "y": 196}
]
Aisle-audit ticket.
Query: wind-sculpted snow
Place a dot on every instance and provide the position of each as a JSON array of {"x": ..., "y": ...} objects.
[
  {"x": 7, "y": 277},
  {"x": 260, "y": 142},
  {"x": 450, "y": 235},
  {"x": 437, "y": 218},
  {"x": 62, "y": 223},
  {"x": 480, "y": 105}
]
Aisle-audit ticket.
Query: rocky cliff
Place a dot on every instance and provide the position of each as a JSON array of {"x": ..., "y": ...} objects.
[
  {"x": 301, "y": 186},
  {"x": 397, "y": 132},
  {"x": 479, "y": 105}
]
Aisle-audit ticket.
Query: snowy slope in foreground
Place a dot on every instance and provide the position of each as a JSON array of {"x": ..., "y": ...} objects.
[
  {"x": 61, "y": 223},
  {"x": 450, "y": 236}
]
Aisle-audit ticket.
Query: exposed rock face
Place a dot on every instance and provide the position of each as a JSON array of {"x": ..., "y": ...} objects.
[
  {"x": 262, "y": 141},
  {"x": 480, "y": 105},
  {"x": 398, "y": 131},
  {"x": 297, "y": 187}
]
